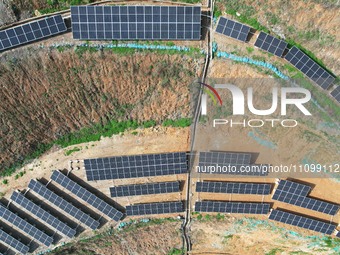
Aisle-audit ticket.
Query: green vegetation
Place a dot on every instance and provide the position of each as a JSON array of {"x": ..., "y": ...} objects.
[
  {"x": 60, "y": 5},
  {"x": 273, "y": 251},
  {"x": 69, "y": 152},
  {"x": 175, "y": 251},
  {"x": 91, "y": 134},
  {"x": 5, "y": 181},
  {"x": 250, "y": 50}
]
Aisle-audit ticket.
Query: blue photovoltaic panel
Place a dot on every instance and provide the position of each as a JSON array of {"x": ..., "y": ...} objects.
[
  {"x": 338, "y": 234},
  {"x": 136, "y": 22},
  {"x": 145, "y": 189},
  {"x": 336, "y": 93},
  {"x": 136, "y": 166},
  {"x": 31, "y": 32},
  {"x": 271, "y": 44},
  {"x": 24, "y": 226},
  {"x": 63, "y": 205},
  {"x": 294, "y": 187},
  {"x": 42, "y": 214},
  {"x": 233, "y": 187},
  {"x": 13, "y": 243},
  {"x": 310, "y": 68},
  {"x": 229, "y": 163},
  {"x": 295, "y": 194},
  {"x": 302, "y": 222},
  {"x": 154, "y": 208},
  {"x": 87, "y": 196},
  {"x": 232, "y": 29},
  {"x": 232, "y": 207}
]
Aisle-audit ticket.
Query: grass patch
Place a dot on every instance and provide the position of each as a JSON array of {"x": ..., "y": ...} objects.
[
  {"x": 185, "y": 122},
  {"x": 69, "y": 152},
  {"x": 273, "y": 251},
  {"x": 250, "y": 50},
  {"x": 175, "y": 251}
]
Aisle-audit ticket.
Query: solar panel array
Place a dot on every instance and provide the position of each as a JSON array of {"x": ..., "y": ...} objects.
[
  {"x": 303, "y": 222},
  {"x": 43, "y": 215},
  {"x": 271, "y": 44},
  {"x": 12, "y": 242},
  {"x": 294, "y": 187},
  {"x": 136, "y": 166},
  {"x": 154, "y": 208},
  {"x": 338, "y": 234},
  {"x": 87, "y": 196},
  {"x": 145, "y": 189},
  {"x": 25, "y": 226},
  {"x": 136, "y": 22},
  {"x": 209, "y": 160},
  {"x": 233, "y": 187},
  {"x": 63, "y": 205},
  {"x": 310, "y": 68},
  {"x": 232, "y": 207},
  {"x": 232, "y": 29},
  {"x": 336, "y": 93},
  {"x": 289, "y": 193},
  {"x": 31, "y": 32}
]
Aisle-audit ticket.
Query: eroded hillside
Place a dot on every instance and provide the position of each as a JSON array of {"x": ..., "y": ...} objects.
[{"x": 46, "y": 93}]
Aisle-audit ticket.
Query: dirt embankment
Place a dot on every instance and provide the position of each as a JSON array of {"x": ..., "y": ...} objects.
[{"x": 46, "y": 94}]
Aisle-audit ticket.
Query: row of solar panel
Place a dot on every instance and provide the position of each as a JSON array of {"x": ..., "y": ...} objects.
[
  {"x": 302, "y": 222},
  {"x": 233, "y": 187},
  {"x": 295, "y": 194},
  {"x": 278, "y": 47},
  {"x": 154, "y": 208},
  {"x": 145, "y": 189},
  {"x": 136, "y": 22},
  {"x": 136, "y": 166},
  {"x": 31, "y": 32},
  {"x": 336, "y": 93},
  {"x": 232, "y": 207}
]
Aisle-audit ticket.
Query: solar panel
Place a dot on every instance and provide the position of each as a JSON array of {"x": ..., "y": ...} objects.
[
  {"x": 229, "y": 163},
  {"x": 145, "y": 189},
  {"x": 24, "y": 226},
  {"x": 336, "y": 93},
  {"x": 154, "y": 208},
  {"x": 232, "y": 207},
  {"x": 136, "y": 166},
  {"x": 302, "y": 222},
  {"x": 42, "y": 214},
  {"x": 338, "y": 234},
  {"x": 31, "y": 32},
  {"x": 87, "y": 196},
  {"x": 310, "y": 68},
  {"x": 233, "y": 187},
  {"x": 271, "y": 44},
  {"x": 293, "y": 187},
  {"x": 13, "y": 243},
  {"x": 136, "y": 22},
  {"x": 232, "y": 29},
  {"x": 63, "y": 205}
]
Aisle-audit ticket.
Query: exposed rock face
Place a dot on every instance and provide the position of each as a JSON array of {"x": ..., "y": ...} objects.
[
  {"x": 6, "y": 13},
  {"x": 46, "y": 94}
]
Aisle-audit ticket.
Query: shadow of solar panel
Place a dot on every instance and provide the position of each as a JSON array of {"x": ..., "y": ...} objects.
[
  {"x": 154, "y": 208},
  {"x": 232, "y": 207},
  {"x": 233, "y": 188},
  {"x": 42, "y": 214},
  {"x": 24, "y": 226},
  {"x": 295, "y": 194},
  {"x": 271, "y": 44},
  {"x": 302, "y": 222},
  {"x": 145, "y": 189},
  {"x": 136, "y": 22},
  {"x": 13, "y": 243},
  {"x": 310, "y": 68},
  {"x": 31, "y": 32},
  {"x": 336, "y": 93},
  {"x": 87, "y": 196},
  {"x": 232, "y": 29},
  {"x": 136, "y": 166},
  {"x": 62, "y": 204}
]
